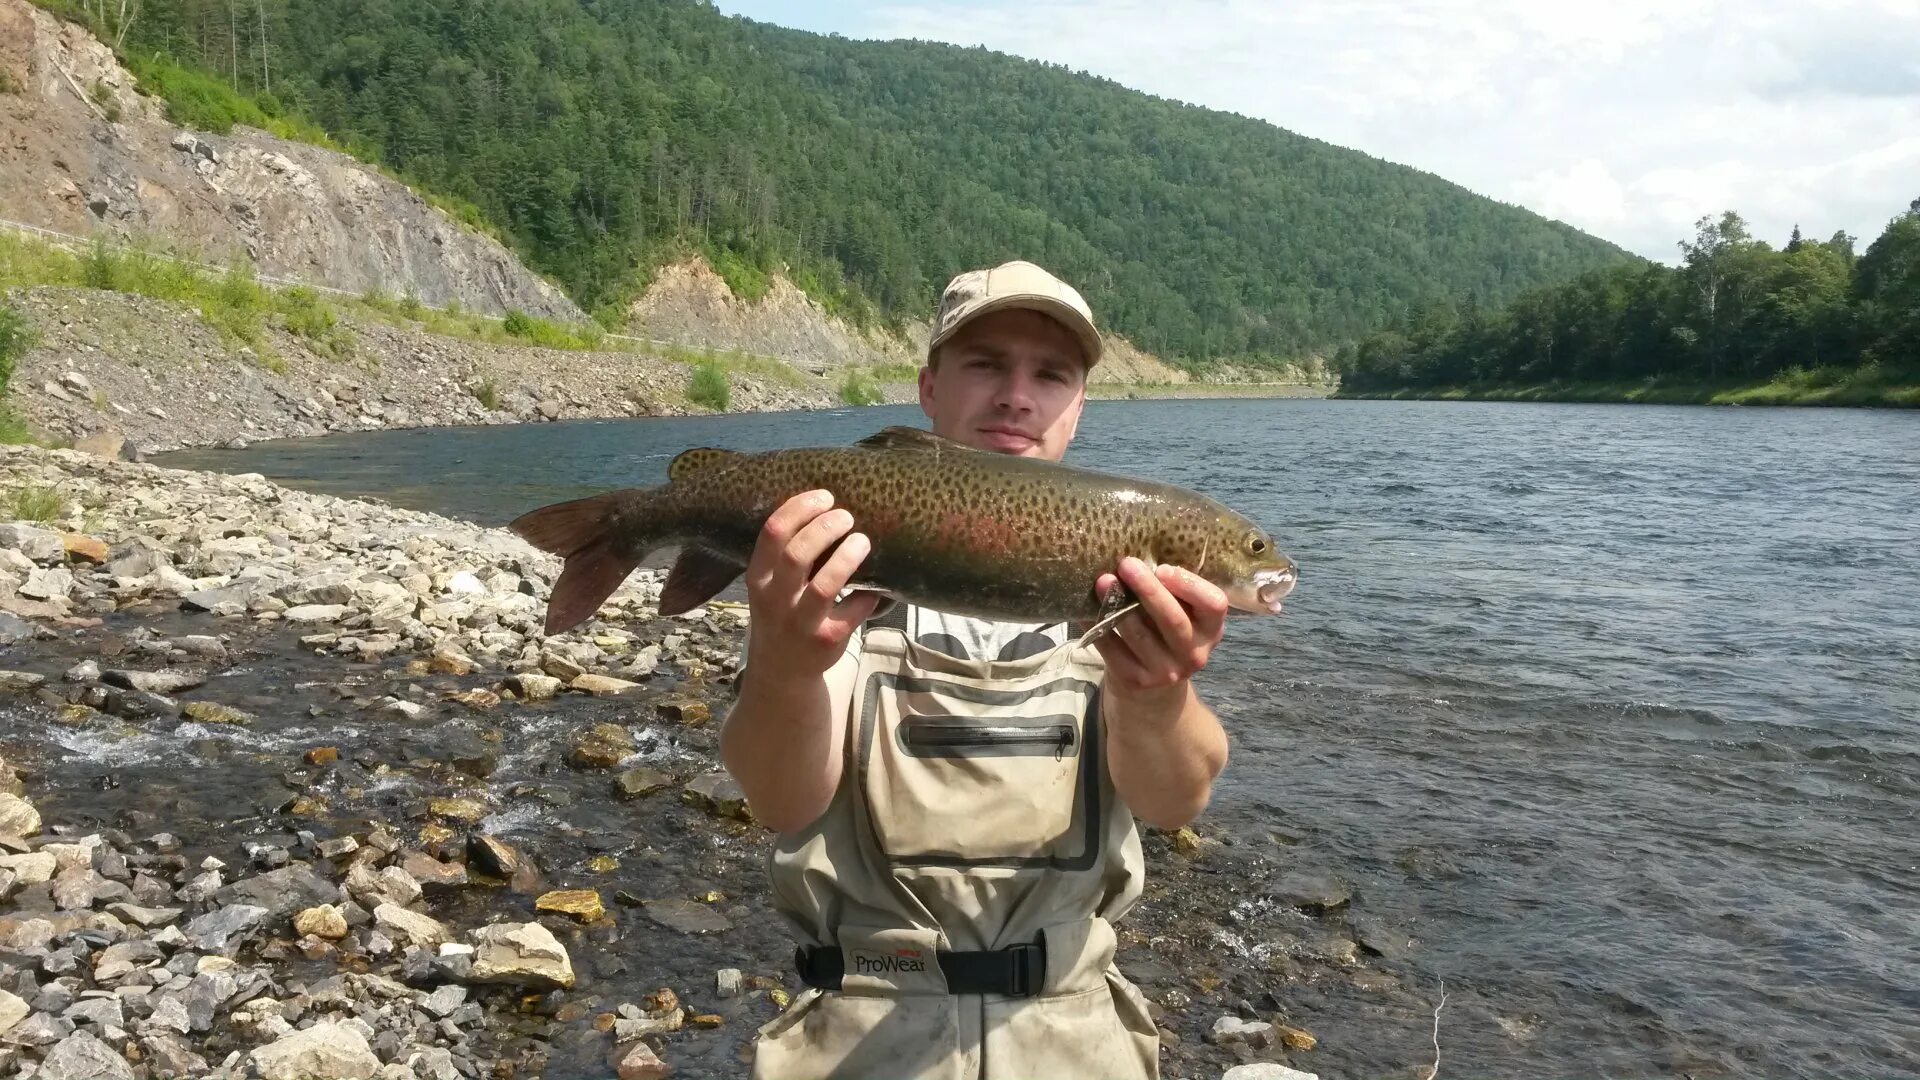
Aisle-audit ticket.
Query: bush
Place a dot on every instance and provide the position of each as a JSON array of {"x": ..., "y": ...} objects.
[
  {"x": 16, "y": 337},
  {"x": 32, "y": 502},
  {"x": 709, "y": 387},
  {"x": 237, "y": 306},
  {"x": 860, "y": 389},
  {"x": 101, "y": 267},
  {"x": 487, "y": 393},
  {"x": 519, "y": 324}
]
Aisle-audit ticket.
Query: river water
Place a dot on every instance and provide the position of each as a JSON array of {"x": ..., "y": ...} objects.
[{"x": 1615, "y": 710}]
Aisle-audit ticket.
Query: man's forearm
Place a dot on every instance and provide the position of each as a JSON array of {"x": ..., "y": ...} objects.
[
  {"x": 781, "y": 744},
  {"x": 1164, "y": 749}
]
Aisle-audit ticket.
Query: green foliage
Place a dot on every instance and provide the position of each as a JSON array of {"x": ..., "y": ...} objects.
[
  {"x": 8, "y": 84},
  {"x": 709, "y": 388},
  {"x": 859, "y": 388},
  {"x": 13, "y": 430},
  {"x": 17, "y": 338},
  {"x": 1736, "y": 322},
  {"x": 518, "y": 323},
  {"x": 487, "y": 393},
  {"x": 101, "y": 267},
  {"x": 603, "y": 138},
  {"x": 306, "y": 315},
  {"x": 32, "y": 502}
]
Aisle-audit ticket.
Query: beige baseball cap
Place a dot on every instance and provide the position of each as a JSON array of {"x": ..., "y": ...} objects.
[{"x": 1016, "y": 284}]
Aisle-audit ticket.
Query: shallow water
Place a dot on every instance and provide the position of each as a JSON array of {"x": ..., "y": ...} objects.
[{"x": 1616, "y": 710}]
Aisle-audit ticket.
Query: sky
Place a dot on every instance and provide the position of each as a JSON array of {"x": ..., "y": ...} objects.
[{"x": 1629, "y": 119}]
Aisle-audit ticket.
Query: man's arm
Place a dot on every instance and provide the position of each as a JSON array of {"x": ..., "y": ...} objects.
[
  {"x": 782, "y": 739},
  {"x": 1165, "y": 747}
]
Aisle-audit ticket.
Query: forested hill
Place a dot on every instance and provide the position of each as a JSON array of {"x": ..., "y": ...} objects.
[{"x": 604, "y": 136}]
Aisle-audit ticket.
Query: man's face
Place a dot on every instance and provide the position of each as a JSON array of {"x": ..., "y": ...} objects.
[{"x": 1010, "y": 381}]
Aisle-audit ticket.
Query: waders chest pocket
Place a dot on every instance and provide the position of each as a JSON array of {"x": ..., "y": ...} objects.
[{"x": 960, "y": 774}]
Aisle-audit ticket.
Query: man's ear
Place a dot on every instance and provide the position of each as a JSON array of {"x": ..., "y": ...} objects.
[{"x": 926, "y": 389}]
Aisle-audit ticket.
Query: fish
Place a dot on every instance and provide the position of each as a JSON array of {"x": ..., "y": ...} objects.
[{"x": 953, "y": 528}]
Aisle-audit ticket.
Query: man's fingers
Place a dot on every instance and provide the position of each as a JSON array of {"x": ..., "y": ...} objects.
[
  {"x": 819, "y": 595},
  {"x": 781, "y": 527},
  {"x": 1169, "y": 618},
  {"x": 1122, "y": 664},
  {"x": 1144, "y": 638},
  {"x": 851, "y": 612},
  {"x": 1205, "y": 604}
]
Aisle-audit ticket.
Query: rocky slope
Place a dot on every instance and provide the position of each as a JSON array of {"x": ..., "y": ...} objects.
[
  {"x": 157, "y": 376},
  {"x": 81, "y": 153}
]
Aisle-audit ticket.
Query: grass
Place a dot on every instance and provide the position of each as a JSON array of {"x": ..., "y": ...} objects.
[
  {"x": 710, "y": 387},
  {"x": 859, "y": 388},
  {"x": 32, "y": 502},
  {"x": 1870, "y": 385},
  {"x": 487, "y": 393},
  {"x": 895, "y": 373}
]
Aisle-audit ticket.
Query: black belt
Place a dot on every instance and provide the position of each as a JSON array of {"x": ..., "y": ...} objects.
[{"x": 1016, "y": 971}]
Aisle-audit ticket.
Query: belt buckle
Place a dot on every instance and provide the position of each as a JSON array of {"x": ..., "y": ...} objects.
[{"x": 1027, "y": 969}]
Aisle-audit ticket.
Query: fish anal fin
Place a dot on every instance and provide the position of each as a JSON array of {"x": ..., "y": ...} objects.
[
  {"x": 698, "y": 460},
  {"x": 697, "y": 576},
  {"x": 900, "y": 437}
]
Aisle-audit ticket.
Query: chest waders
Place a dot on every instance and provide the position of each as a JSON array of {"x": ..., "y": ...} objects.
[{"x": 954, "y": 901}]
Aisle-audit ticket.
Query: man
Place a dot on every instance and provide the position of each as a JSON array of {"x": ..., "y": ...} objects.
[{"x": 955, "y": 798}]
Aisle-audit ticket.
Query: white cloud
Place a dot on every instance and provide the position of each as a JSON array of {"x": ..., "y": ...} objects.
[{"x": 1629, "y": 119}]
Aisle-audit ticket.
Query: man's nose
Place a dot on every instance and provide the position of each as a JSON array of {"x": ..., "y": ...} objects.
[{"x": 1016, "y": 392}]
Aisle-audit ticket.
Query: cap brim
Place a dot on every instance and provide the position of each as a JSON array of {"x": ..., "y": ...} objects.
[{"x": 1059, "y": 310}]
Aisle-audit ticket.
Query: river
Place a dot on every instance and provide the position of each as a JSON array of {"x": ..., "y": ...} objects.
[{"x": 1614, "y": 709}]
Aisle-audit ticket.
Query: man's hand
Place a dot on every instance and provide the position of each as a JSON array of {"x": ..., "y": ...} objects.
[
  {"x": 797, "y": 628},
  {"x": 1172, "y": 636},
  {"x": 1164, "y": 746}
]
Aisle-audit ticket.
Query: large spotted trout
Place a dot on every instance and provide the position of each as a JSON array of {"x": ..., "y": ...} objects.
[{"x": 952, "y": 528}]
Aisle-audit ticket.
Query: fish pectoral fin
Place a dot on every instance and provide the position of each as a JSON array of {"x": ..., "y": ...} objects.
[
  {"x": 900, "y": 437},
  {"x": 698, "y": 576}
]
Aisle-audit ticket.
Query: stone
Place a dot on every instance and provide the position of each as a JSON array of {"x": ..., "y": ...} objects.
[
  {"x": 84, "y": 549},
  {"x": 322, "y": 755},
  {"x": 35, "y": 869},
  {"x": 522, "y": 954},
  {"x": 560, "y": 667},
  {"x": 14, "y": 629},
  {"x": 121, "y": 958},
  {"x": 689, "y": 711},
  {"x": 20, "y": 682},
  {"x": 170, "y": 1013},
  {"x": 444, "y": 1000},
  {"x": 479, "y": 698},
  {"x": 641, "y": 781},
  {"x": 77, "y": 383},
  {"x": 433, "y": 1063},
  {"x": 1232, "y": 1029},
  {"x": 154, "y": 682},
  {"x": 687, "y": 916},
  {"x": 464, "y": 583},
  {"x": 637, "y": 1061},
  {"x": 493, "y": 856},
  {"x": 597, "y": 685},
  {"x": 534, "y": 687},
  {"x": 432, "y": 873},
  {"x": 18, "y": 817},
  {"x": 75, "y": 888},
  {"x": 81, "y": 1056},
  {"x": 1266, "y": 1070},
  {"x": 323, "y": 921},
  {"x": 47, "y": 585},
  {"x": 170, "y": 1058},
  {"x": 1377, "y": 938},
  {"x": 37, "y": 544},
  {"x": 582, "y": 904},
  {"x": 454, "y": 808},
  {"x": 84, "y": 671},
  {"x": 12, "y": 1011},
  {"x": 102, "y": 1013},
  {"x": 230, "y": 600},
  {"x": 448, "y": 660},
  {"x": 217, "y": 931},
  {"x": 727, "y": 982},
  {"x": 211, "y": 712},
  {"x": 282, "y": 892},
  {"x": 146, "y": 917},
  {"x": 412, "y": 710},
  {"x": 1312, "y": 892},
  {"x": 604, "y": 746},
  {"x": 409, "y": 926},
  {"x": 40, "y": 1029},
  {"x": 325, "y": 1051},
  {"x": 316, "y": 613},
  {"x": 1294, "y": 1038},
  {"x": 719, "y": 794}
]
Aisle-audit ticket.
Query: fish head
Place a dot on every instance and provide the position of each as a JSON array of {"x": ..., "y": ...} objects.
[{"x": 1240, "y": 558}]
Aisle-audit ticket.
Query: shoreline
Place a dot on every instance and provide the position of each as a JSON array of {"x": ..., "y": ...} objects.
[
  {"x": 357, "y": 698},
  {"x": 1803, "y": 391}
]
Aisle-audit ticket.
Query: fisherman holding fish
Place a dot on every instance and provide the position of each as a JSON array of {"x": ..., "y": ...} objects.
[
  {"x": 953, "y": 766},
  {"x": 955, "y": 796}
]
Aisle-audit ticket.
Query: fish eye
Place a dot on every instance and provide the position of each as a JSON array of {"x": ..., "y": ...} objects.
[{"x": 1257, "y": 544}]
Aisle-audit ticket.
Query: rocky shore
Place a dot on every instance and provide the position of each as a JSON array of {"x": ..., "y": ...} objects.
[{"x": 294, "y": 786}]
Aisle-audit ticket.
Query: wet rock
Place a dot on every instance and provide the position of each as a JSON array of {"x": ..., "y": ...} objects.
[
  {"x": 12, "y": 1011},
  {"x": 1378, "y": 939},
  {"x": 605, "y": 746},
  {"x": 448, "y": 660},
  {"x": 84, "y": 671},
  {"x": 726, "y": 982},
  {"x": 689, "y": 711},
  {"x": 411, "y": 710},
  {"x": 18, "y": 817},
  {"x": 1312, "y": 892},
  {"x": 479, "y": 699},
  {"x": 524, "y": 954},
  {"x": 1232, "y": 1029},
  {"x": 533, "y": 687},
  {"x": 431, "y": 873},
  {"x": 334, "y": 847},
  {"x": 209, "y": 712},
  {"x": 637, "y": 1061},
  {"x": 218, "y": 931},
  {"x": 230, "y": 600},
  {"x": 1266, "y": 1070},
  {"x": 316, "y": 613},
  {"x": 14, "y": 629},
  {"x": 322, "y": 755},
  {"x": 719, "y": 794},
  {"x": 582, "y": 904},
  {"x": 154, "y": 682},
  {"x": 641, "y": 781},
  {"x": 325, "y": 1051},
  {"x": 491, "y": 856},
  {"x": 687, "y": 916},
  {"x": 323, "y": 921},
  {"x": 560, "y": 667},
  {"x": 80, "y": 1056},
  {"x": 601, "y": 685},
  {"x": 391, "y": 885},
  {"x": 452, "y": 808},
  {"x": 409, "y": 926},
  {"x": 282, "y": 892}
]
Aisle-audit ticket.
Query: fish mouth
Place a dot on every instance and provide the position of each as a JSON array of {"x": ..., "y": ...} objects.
[{"x": 1263, "y": 594}]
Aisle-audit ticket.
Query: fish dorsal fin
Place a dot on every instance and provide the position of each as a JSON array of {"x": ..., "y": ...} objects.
[
  {"x": 698, "y": 460},
  {"x": 908, "y": 438}
]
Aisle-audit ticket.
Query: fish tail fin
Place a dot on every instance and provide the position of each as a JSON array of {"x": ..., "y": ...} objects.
[{"x": 597, "y": 539}]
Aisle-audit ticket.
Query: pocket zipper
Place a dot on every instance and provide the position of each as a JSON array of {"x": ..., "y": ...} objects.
[{"x": 1059, "y": 736}]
